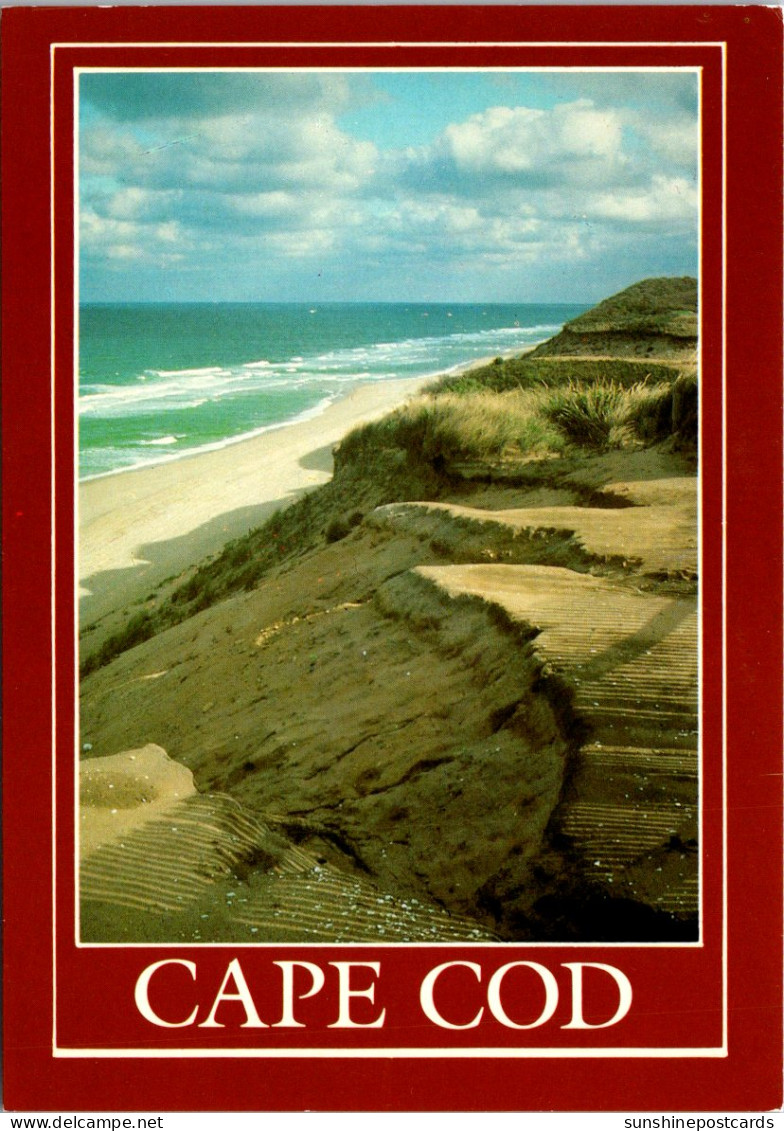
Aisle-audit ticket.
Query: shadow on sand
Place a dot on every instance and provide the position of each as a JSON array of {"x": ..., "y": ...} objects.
[
  {"x": 114, "y": 589},
  {"x": 319, "y": 460}
]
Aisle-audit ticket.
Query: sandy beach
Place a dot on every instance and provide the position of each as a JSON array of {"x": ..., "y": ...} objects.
[{"x": 139, "y": 526}]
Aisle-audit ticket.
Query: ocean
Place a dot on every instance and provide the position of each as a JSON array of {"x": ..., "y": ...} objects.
[{"x": 159, "y": 381}]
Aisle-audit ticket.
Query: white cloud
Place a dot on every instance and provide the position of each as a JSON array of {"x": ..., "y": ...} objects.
[
  {"x": 573, "y": 142},
  {"x": 123, "y": 239},
  {"x": 674, "y": 140},
  {"x": 103, "y": 150},
  {"x": 283, "y": 175}
]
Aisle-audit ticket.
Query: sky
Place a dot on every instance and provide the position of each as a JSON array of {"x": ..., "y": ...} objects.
[{"x": 409, "y": 186}]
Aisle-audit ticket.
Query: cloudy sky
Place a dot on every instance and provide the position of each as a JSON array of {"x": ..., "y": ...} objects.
[{"x": 384, "y": 186}]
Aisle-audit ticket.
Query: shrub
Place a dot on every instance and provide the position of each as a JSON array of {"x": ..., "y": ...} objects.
[
  {"x": 138, "y": 629},
  {"x": 651, "y": 416},
  {"x": 527, "y": 372},
  {"x": 604, "y": 415},
  {"x": 685, "y": 407}
]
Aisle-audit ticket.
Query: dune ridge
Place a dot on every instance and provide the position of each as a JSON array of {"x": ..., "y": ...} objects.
[{"x": 459, "y": 678}]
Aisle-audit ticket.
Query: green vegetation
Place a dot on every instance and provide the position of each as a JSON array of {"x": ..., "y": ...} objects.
[
  {"x": 138, "y": 629},
  {"x": 588, "y": 415},
  {"x": 515, "y": 410},
  {"x": 654, "y": 306},
  {"x": 528, "y": 372},
  {"x": 438, "y": 430},
  {"x": 341, "y": 527},
  {"x": 465, "y": 420},
  {"x": 605, "y": 415}
]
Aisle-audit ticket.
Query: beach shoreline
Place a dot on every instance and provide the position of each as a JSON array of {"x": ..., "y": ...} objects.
[{"x": 313, "y": 413}]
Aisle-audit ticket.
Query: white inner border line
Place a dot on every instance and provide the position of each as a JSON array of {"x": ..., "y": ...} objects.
[
  {"x": 393, "y": 44},
  {"x": 558, "y": 1052},
  {"x": 483, "y": 1052},
  {"x": 53, "y": 584}
]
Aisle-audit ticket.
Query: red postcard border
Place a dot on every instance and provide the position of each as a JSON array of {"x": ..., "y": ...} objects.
[{"x": 749, "y": 1075}]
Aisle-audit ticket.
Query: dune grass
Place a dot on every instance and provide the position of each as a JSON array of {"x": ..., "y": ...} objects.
[
  {"x": 469, "y": 423},
  {"x": 587, "y": 415}
]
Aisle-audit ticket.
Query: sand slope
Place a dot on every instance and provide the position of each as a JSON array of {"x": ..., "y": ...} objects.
[{"x": 367, "y": 703}]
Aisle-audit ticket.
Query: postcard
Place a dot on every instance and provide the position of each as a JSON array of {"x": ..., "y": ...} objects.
[{"x": 392, "y": 556}]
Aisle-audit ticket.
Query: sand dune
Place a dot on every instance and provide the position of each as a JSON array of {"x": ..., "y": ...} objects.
[{"x": 468, "y": 713}]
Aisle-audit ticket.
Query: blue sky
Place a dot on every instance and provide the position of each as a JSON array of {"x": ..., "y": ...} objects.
[{"x": 384, "y": 186}]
